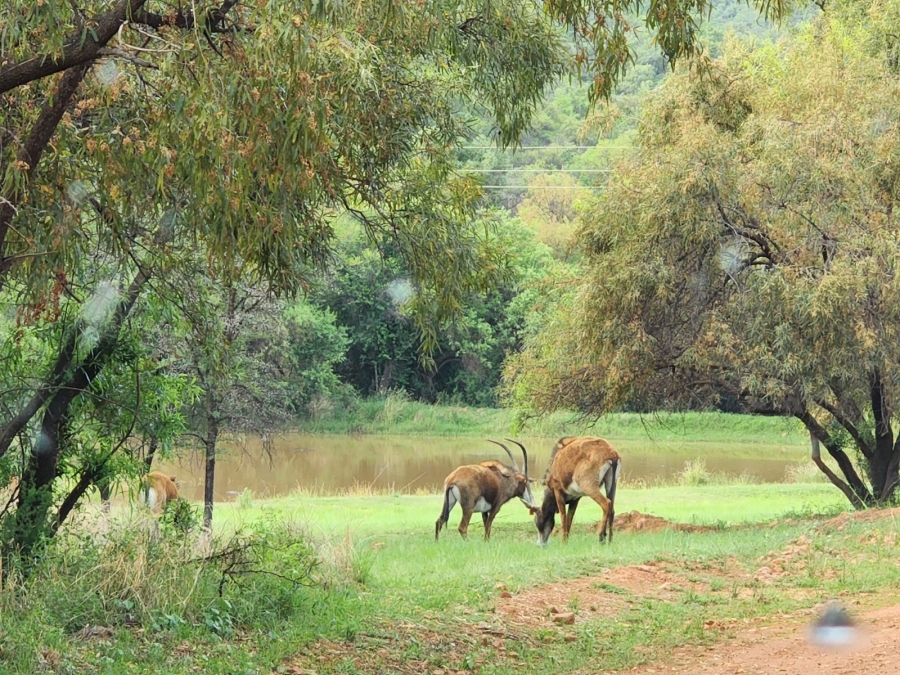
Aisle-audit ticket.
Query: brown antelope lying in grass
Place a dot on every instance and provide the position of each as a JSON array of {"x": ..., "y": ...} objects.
[
  {"x": 578, "y": 468},
  {"x": 157, "y": 490},
  {"x": 484, "y": 487}
]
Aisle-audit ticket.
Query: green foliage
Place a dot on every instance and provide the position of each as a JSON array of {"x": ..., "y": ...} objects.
[
  {"x": 181, "y": 517},
  {"x": 130, "y": 399},
  {"x": 370, "y": 296},
  {"x": 743, "y": 257},
  {"x": 396, "y": 414},
  {"x": 315, "y": 345},
  {"x": 695, "y": 473},
  {"x": 247, "y": 131}
]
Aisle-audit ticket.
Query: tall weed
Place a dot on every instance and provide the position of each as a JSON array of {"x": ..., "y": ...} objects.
[
  {"x": 804, "y": 472},
  {"x": 695, "y": 474},
  {"x": 137, "y": 575}
]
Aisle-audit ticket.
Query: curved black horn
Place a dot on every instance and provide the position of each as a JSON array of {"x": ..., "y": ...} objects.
[
  {"x": 524, "y": 454},
  {"x": 511, "y": 458}
]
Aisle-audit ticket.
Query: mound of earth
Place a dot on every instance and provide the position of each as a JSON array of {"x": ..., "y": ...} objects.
[
  {"x": 635, "y": 521},
  {"x": 867, "y": 516}
]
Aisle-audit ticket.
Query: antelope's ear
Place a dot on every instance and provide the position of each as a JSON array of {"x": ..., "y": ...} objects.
[{"x": 532, "y": 510}]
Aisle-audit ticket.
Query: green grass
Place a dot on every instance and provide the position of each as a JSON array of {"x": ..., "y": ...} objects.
[
  {"x": 398, "y": 416},
  {"x": 387, "y": 598},
  {"x": 412, "y": 516}
]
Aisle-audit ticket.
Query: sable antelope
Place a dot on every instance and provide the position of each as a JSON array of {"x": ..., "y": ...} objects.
[
  {"x": 579, "y": 466},
  {"x": 484, "y": 487},
  {"x": 157, "y": 490}
]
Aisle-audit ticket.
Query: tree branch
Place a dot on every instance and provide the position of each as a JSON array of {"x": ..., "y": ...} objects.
[
  {"x": 854, "y": 489},
  {"x": 30, "y": 154},
  {"x": 845, "y": 422},
  {"x": 85, "y": 47},
  {"x": 80, "y": 49},
  {"x": 816, "y": 457},
  {"x": 880, "y": 411},
  {"x": 128, "y": 56}
]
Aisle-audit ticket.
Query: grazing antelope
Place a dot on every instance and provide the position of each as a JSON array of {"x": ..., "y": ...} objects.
[
  {"x": 484, "y": 487},
  {"x": 157, "y": 490},
  {"x": 579, "y": 466}
]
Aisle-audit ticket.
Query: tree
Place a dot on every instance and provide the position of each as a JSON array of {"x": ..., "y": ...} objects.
[
  {"x": 224, "y": 340},
  {"x": 97, "y": 437},
  {"x": 254, "y": 363},
  {"x": 143, "y": 136},
  {"x": 368, "y": 293},
  {"x": 549, "y": 208},
  {"x": 313, "y": 347},
  {"x": 748, "y": 251}
]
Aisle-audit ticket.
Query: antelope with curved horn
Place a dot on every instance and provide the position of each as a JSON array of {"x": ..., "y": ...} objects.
[
  {"x": 579, "y": 467},
  {"x": 484, "y": 487}
]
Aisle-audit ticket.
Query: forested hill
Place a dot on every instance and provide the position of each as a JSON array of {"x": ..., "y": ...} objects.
[{"x": 599, "y": 137}]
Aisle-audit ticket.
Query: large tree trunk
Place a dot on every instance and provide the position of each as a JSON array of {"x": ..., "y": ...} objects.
[
  {"x": 383, "y": 385},
  {"x": 879, "y": 451},
  {"x": 882, "y": 463},
  {"x": 882, "y": 471}
]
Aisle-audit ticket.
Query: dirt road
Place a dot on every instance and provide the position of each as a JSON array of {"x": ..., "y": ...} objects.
[{"x": 785, "y": 649}]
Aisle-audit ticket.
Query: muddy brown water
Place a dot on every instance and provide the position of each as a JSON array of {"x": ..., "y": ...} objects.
[{"x": 335, "y": 464}]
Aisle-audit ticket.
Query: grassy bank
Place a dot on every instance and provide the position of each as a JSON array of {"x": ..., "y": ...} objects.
[
  {"x": 396, "y": 415},
  {"x": 356, "y": 584}
]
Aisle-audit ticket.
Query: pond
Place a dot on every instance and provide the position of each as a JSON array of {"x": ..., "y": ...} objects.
[{"x": 332, "y": 464}]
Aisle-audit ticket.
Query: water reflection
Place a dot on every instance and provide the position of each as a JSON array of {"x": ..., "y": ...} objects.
[{"x": 412, "y": 463}]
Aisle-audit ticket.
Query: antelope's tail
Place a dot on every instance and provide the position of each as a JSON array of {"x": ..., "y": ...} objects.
[
  {"x": 614, "y": 480},
  {"x": 445, "y": 513}
]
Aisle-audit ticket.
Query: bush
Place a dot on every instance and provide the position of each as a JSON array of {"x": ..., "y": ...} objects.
[
  {"x": 158, "y": 579},
  {"x": 695, "y": 473}
]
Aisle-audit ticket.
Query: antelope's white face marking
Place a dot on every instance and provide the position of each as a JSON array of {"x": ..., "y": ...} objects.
[
  {"x": 527, "y": 497},
  {"x": 482, "y": 506}
]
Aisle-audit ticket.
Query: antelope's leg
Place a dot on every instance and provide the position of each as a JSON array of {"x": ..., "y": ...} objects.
[
  {"x": 610, "y": 516},
  {"x": 595, "y": 494},
  {"x": 488, "y": 521},
  {"x": 570, "y": 516},
  {"x": 464, "y": 524},
  {"x": 561, "y": 508}
]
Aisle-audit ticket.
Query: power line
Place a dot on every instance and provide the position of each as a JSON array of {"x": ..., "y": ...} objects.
[
  {"x": 537, "y": 170},
  {"x": 540, "y": 187},
  {"x": 549, "y": 147}
]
